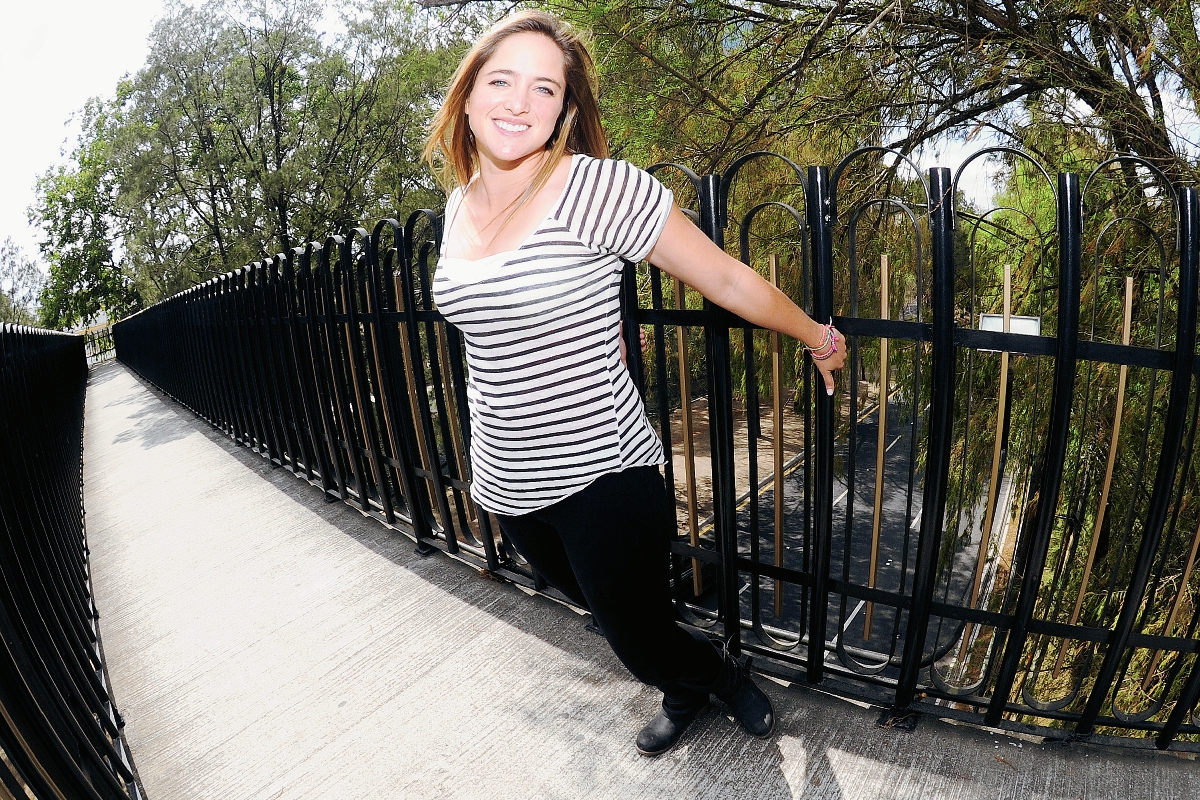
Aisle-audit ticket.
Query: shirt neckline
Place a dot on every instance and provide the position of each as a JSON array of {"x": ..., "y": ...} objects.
[{"x": 549, "y": 213}]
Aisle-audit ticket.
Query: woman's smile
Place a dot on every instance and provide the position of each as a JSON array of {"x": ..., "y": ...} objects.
[{"x": 511, "y": 127}]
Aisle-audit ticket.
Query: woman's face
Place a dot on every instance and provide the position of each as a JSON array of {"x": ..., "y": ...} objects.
[{"x": 517, "y": 99}]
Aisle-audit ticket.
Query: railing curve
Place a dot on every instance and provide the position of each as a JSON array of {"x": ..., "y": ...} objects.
[{"x": 60, "y": 732}]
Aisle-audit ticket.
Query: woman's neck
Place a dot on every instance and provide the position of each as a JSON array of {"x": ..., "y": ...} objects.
[{"x": 500, "y": 185}]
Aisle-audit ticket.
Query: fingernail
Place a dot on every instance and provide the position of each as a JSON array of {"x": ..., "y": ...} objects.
[{"x": 829, "y": 391}]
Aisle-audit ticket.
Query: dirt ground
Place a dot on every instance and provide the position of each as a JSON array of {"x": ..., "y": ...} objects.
[{"x": 793, "y": 442}]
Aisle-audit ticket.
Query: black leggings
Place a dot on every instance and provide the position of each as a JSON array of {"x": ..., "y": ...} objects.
[{"x": 607, "y": 548}]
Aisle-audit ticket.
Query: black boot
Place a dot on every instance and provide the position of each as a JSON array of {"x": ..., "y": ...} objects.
[
  {"x": 666, "y": 729},
  {"x": 750, "y": 707}
]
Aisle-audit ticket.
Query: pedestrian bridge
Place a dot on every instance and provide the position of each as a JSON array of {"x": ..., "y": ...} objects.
[
  {"x": 263, "y": 643},
  {"x": 991, "y": 521}
]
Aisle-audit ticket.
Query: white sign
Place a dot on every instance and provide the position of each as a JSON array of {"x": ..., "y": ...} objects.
[{"x": 1028, "y": 326}]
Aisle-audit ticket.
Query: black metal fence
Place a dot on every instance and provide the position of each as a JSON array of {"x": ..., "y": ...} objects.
[
  {"x": 60, "y": 733},
  {"x": 98, "y": 343},
  {"x": 992, "y": 519}
]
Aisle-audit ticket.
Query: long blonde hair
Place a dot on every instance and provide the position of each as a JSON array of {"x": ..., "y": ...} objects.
[{"x": 450, "y": 134}]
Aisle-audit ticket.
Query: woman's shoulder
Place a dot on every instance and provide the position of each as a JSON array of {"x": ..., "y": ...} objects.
[
  {"x": 590, "y": 175},
  {"x": 611, "y": 166},
  {"x": 452, "y": 200}
]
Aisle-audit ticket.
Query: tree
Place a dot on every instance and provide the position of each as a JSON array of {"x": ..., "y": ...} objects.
[
  {"x": 249, "y": 132},
  {"x": 716, "y": 78},
  {"x": 20, "y": 283},
  {"x": 74, "y": 208}
]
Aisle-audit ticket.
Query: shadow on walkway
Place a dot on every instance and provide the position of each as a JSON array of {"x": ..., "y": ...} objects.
[{"x": 266, "y": 644}]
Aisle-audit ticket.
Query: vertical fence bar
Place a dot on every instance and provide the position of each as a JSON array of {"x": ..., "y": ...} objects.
[
  {"x": 411, "y": 290},
  {"x": 1070, "y": 250},
  {"x": 280, "y": 287},
  {"x": 777, "y": 476},
  {"x": 1164, "y": 479},
  {"x": 341, "y": 436},
  {"x": 226, "y": 325},
  {"x": 311, "y": 380},
  {"x": 720, "y": 426},
  {"x": 395, "y": 381},
  {"x": 243, "y": 353},
  {"x": 263, "y": 363},
  {"x": 881, "y": 417},
  {"x": 279, "y": 365},
  {"x": 941, "y": 430},
  {"x": 210, "y": 314},
  {"x": 818, "y": 207},
  {"x": 372, "y": 314},
  {"x": 359, "y": 361},
  {"x": 686, "y": 430}
]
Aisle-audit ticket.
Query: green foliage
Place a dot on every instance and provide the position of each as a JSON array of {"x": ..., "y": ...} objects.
[
  {"x": 247, "y": 132},
  {"x": 74, "y": 208},
  {"x": 20, "y": 284},
  {"x": 706, "y": 80}
]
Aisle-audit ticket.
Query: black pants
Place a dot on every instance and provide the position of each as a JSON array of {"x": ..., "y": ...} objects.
[{"x": 606, "y": 547}]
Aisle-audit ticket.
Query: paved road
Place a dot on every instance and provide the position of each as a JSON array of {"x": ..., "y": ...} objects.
[{"x": 265, "y": 644}]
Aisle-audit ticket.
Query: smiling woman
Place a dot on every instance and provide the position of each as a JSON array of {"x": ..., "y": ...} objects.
[{"x": 539, "y": 226}]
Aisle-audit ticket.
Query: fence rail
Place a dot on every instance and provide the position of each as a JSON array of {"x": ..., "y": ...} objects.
[
  {"x": 993, "y": 518},
  {"x": 60, "y": 733}
]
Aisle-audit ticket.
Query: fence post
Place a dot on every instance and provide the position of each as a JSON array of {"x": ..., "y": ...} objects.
[
  {"x": 941, "y": 430},
  {"x": 1070, "y": 248},
  {"x": 290, "y": 320},
  {"x": 720, "y": 426},
  {"x": 818, "y": 207}
]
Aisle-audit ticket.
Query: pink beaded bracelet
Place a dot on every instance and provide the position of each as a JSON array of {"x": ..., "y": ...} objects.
[{"x": 828, "y": 345}]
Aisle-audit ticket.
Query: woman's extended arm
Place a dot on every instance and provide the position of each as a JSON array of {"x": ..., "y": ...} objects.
[{"x": 686, "y": 253}]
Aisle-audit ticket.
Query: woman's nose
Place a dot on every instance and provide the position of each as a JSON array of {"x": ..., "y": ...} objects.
[{"x": 516, "y": 102}]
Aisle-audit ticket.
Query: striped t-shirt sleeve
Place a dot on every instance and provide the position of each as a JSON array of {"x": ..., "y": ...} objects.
[{"x": 619, "y": 209}]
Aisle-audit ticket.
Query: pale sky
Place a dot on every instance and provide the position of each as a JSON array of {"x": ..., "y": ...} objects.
[{"x": 57, "y": 54}]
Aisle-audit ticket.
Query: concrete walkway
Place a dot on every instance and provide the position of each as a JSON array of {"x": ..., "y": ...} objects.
[{"x": 264, "y": 644}]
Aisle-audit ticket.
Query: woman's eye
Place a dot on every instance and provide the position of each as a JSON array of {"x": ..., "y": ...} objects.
[
  {"x": 546, "y": 90},
  {"x": 499, "y": 82}
]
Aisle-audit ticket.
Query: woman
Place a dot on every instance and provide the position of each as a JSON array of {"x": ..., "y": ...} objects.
[{"x": 537, "y": 225}]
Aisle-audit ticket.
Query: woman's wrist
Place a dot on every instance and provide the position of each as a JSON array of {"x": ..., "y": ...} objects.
[
  {"x": 826, "y": 344},
  {"x": 814, "y": 335}
]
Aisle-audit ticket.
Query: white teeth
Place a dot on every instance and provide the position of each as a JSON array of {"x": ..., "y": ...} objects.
[{"x": 508, "y": 126}]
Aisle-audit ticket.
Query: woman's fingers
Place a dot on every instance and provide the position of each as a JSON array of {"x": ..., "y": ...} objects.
[
  {"x": 835, "y": 360},
  {"x": 827, "y": 375}
]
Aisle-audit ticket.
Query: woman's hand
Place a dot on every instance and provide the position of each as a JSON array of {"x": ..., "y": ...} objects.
[
  {"x": 624, "y": 353},
  {"x": 684, "y": 252},
  {"x": 835, "y": 360}
]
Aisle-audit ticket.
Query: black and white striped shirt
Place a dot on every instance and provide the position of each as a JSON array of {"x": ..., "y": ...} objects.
[{"x": 552, "y": 407}]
